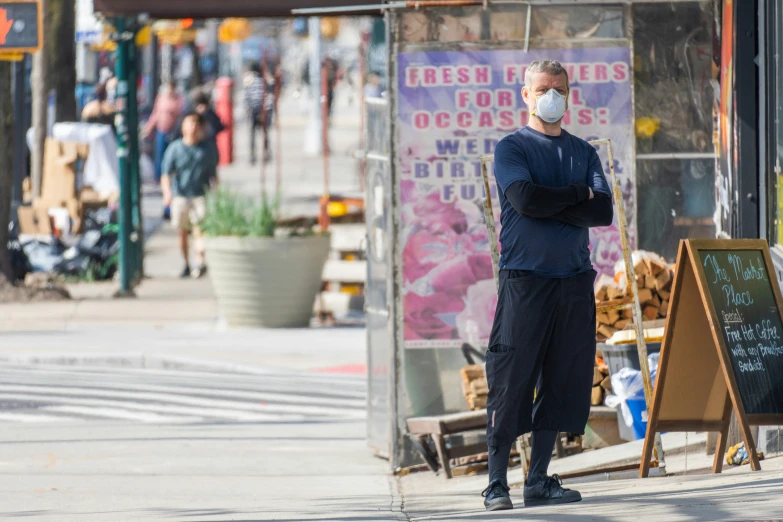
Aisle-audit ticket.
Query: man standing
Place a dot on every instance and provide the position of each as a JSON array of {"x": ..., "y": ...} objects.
[
  {"x": 260, "y": 103},
  {"x": 190, "y": 168},
  {"x": 542, "y": 345}
]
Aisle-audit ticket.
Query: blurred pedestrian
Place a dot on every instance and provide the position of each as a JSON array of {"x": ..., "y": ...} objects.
[
  {"x": 99, "y": 110},
  {"x": 165, "y": 113},
  {"x": 201, "y": 103},
  {"x": 260, "y": 103},
  {"x": 372, "y": 89},
  {"x": 190, "y": 169}
]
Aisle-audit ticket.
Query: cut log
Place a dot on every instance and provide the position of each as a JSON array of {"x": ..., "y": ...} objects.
[
  {"x": 640, "y": 279},
  {"x": 479, "y": 387},
  {"x": 627, "y": 314},
  {"x": 606, "y": 384},
  {"x": 645, "y": 294},
  {"x": 477, "y": 403},
  {"x": 640, "y": 268},
  {"x": 473, "y": 372},
  {"x": 608, "y": 331},
  {"x": 649, "y": 281},
  {"x": 655, "y": 301},
  {"x": 597, "y": 376},
  {"x": 662, "y": 279},
  {"x": 600, "y": 337},
  {"x": 597, "y": 397},
  {"x": 614, "y": 316},
  {"x": 602, "y": 318},
  {"x": 664, "y": 294},
  {"x": 614, "y": 292},
  {"x": 655, "y": 266},
  {"x": 663, "y": 310},
  {"x": 621, "y": 324},
  {"x": 650, "y": 312}
]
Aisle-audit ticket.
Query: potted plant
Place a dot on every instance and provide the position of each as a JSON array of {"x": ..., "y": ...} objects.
[{"x": 263, "y": 275}]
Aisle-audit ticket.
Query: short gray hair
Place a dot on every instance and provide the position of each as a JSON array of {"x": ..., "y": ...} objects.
[{"x": 552, "y": 67}]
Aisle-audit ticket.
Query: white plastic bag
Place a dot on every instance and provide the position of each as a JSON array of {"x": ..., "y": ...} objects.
[{"x": 626, "y": 384}]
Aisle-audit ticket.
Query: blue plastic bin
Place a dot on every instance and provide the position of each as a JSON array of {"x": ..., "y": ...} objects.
[{"x": 637, "y": 407}]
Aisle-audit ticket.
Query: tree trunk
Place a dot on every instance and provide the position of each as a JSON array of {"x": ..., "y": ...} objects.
[
  {"x": 196, "y": 80},
  {"x": 39, "y": 83},
  {"x": 6, "y": 168},
  {"x": 62, "y": 29}
]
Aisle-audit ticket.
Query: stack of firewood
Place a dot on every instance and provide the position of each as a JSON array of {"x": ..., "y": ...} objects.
[
  {"x": 474, "y": 386},
  {"x": 601, "y": 382},
  {"x": 653, "y": 281}
]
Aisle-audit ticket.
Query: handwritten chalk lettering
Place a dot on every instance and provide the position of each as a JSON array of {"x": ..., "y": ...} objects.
[
  {"x": 732, "y": 317},
  {"x": 719, "y": 273},
  {"x": 747, "y": 332},
  {"x": 747, "y": 271},
  {"x": 765, "y": 330},
  {"x": 770, "y": 349},
  {"x": 738, "y": 351},
  {"x": 753, "y": 351},
  {"x": 753, "y": 366},
  {"x": 734, "y": 298},
  {"x": 732, "y": 336}
]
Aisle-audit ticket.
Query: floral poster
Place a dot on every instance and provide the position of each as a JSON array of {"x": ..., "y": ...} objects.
[{"x": 453, "y": 107}]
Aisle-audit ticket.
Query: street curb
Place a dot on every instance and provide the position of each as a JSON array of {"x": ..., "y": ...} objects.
[{"x": 156, "y": 362}]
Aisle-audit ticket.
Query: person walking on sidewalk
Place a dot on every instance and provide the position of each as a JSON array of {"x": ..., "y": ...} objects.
[
  {"x": 190, "y": 169},
  {"x": 165, "y": 113},
  {"x": 541, "y": 352},
  {"x": 260, "y": 104}
]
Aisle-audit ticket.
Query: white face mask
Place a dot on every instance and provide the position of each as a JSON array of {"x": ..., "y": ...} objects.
[{"x": 551, "y": 106}]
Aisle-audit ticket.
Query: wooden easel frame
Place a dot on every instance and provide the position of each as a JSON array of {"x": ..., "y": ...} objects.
[
  {"x": 631, "y": 301},
  {"x": 688, "y": 253}
]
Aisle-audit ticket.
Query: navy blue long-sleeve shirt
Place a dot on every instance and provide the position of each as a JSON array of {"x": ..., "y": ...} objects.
[{"x": 545, "y": 184}]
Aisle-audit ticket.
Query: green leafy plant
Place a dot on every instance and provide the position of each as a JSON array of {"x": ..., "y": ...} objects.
[{"x": 230, "y": 214}]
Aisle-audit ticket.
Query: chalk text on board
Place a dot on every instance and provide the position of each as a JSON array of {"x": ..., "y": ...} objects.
[
  {"x": 734, "y": 298},
  {"x": 748, "y": 272},
  {"x": 719, "y": 272}
]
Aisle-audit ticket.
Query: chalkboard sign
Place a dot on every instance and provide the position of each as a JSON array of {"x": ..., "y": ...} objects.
[
  {"x": 723, "y": 345},
  {"x": 743, "y": 297}
]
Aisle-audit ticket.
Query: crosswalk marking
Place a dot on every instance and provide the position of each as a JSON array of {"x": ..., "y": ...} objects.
[
  {"x": 31, "y": 393},
  {"x": 118, "y": 413},
  {"x": 200, "y": 413},
  {"x": 27, "y": 417}
]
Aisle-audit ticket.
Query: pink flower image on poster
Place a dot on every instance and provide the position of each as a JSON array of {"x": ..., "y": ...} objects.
[{"x": 453, "y": 107}]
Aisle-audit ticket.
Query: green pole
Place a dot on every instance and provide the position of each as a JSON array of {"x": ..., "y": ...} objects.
[
  {"x": 133, "y": 160},
  {"x": 121, "y": 122}
]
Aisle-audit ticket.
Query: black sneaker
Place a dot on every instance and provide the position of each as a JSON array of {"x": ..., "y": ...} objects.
[
  {"x": 185, "y": 272},
  {"x": 199, "y": 272},
  {"x": 496, "y": 497},
  {"x": 548, "y": 491}
]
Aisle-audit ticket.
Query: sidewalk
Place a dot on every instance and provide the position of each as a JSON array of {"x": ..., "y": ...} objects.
[{"x": 176, "y": 319}]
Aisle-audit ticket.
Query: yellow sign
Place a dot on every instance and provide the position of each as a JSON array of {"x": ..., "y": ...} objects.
[
  {"x": 11, "y": 57},
  {"x": 234, "y": 30}
]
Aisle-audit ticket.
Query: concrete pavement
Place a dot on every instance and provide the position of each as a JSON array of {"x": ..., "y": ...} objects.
[{"x": 308, "y": 469}]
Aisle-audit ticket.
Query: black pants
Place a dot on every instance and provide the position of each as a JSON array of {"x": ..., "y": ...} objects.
[
  {"x": 265, "y": 127},
  {"x": 542, "y": 344}
]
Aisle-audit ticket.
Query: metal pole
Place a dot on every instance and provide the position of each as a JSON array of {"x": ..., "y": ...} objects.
[
  {"x": 133, "y": 161},
  {"x": 20, "y": 153},
  {"x": 126, "y": 201},
  {"x": 278, "y": 140},
  {"x": 313, "y": 131},
  {"x": 324, "y": 217}
]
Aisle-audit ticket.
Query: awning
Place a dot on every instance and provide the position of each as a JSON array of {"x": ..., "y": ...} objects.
[{"x": 224, "y": 8}]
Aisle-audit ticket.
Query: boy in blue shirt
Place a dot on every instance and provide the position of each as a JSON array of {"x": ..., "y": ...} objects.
[{"x": 189, "y": 170}]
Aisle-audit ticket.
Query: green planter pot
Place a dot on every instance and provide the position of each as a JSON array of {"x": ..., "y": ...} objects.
[{"x": 266, "y": 282}]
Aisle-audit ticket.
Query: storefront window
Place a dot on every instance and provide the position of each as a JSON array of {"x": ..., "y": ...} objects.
[
  {"x": 675, "y": 87},
  {"x": 777, "y": 118}
]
